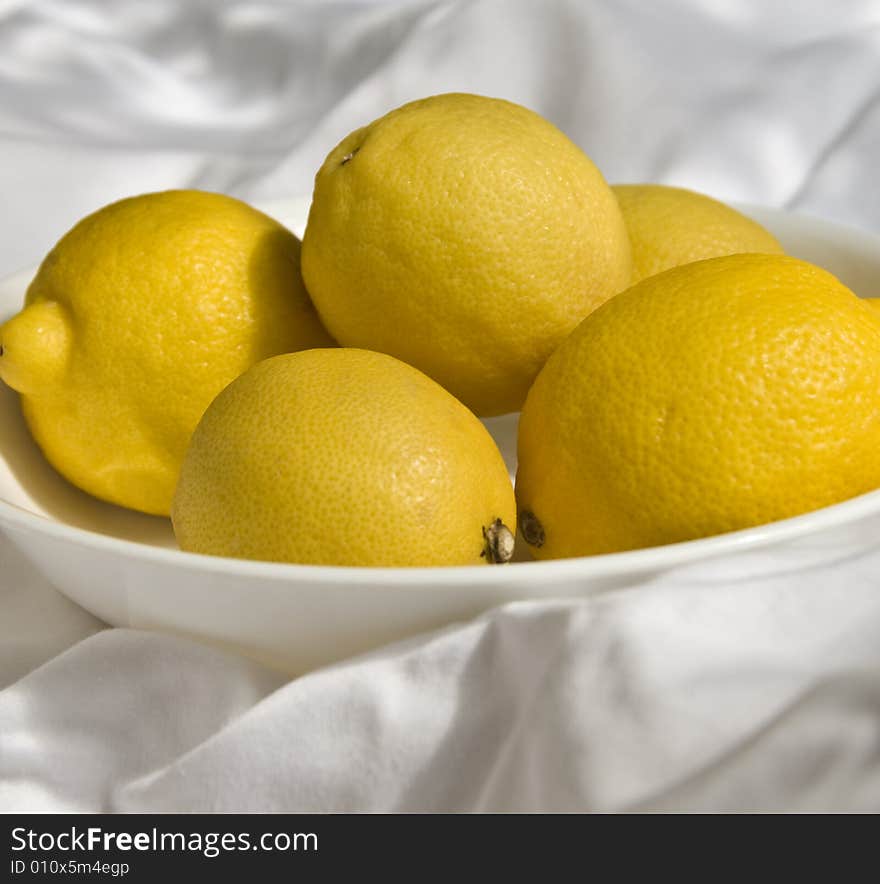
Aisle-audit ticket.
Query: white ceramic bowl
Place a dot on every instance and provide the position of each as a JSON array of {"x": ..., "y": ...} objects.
[{"x": 124, "y": 567}]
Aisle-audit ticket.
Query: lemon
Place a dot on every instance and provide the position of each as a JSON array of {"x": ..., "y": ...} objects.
[
  {"x": 670, "y": 226},
  {"x": 466, "y": 236},
  {"x": 137, "y": 318},
  {"x": 715, "y": 396},
  {"x": 343, "y": 457}
]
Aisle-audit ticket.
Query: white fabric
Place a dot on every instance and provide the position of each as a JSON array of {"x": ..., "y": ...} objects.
[{"x": 746, "y": 684}]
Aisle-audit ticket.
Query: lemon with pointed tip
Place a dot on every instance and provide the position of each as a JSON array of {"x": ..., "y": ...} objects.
[
  {"x": 716, "y": 396},
  {"x": 139, "y": 316},
  {"x": 343, "y": 457},
  {"x": 670, "y": 226},
  {"x": 466, "y": 236}
]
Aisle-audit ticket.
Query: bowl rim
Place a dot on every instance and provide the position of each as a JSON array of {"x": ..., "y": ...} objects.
[
  {"x": 604, "y": 564},
  {"x": 551, "y": 570}
]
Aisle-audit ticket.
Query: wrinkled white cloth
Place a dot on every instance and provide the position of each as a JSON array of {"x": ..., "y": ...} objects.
[{"x": 751, "y": 683}]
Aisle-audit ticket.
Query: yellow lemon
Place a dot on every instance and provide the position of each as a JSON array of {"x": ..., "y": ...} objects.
[
  {"x": 137, "y": 318},
  {"x": 670, "y": 226},
  {"x": 466, "y": 236},
  {"x": 343, "y": 457},
  {"x": 715, "y": 396}
]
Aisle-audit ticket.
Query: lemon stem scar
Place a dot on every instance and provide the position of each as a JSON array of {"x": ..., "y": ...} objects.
[
  {"x": 498, "y": 543},
  {"x": 532, "y": 529},
  {"x": 34, "y": 347}
]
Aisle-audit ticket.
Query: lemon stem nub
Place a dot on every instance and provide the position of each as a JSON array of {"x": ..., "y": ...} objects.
[
  {"x": 35, "y": 345},
  {"x": 532, "y": 529},
  {"x": 498, "y": 543}
]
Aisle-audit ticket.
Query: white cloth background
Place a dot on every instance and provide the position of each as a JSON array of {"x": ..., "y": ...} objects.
[{"x": 746, "y": 684}]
